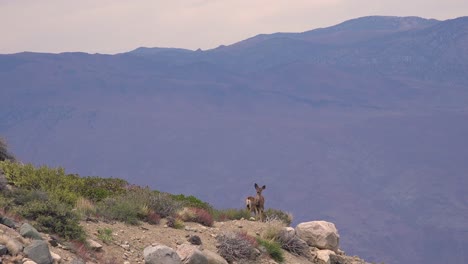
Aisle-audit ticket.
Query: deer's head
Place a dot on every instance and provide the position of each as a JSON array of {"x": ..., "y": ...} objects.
[{"x": 259, "y": 190}]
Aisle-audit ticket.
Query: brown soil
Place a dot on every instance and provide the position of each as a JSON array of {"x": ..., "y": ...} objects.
[{"x": 128, "y": 242}]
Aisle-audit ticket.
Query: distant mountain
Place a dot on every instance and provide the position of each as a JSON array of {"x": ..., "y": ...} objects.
[{"x": 362, "y": 124}]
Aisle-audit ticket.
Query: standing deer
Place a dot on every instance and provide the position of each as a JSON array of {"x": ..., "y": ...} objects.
[{"x": 256, "y": 204}]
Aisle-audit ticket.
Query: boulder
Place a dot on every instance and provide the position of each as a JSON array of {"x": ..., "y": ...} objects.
[
  {"x": 8, "y": 222},
  {"x": 213, "y": 258},
  {"x": 38, "y": 251},
  {"x": 190, "y": 254},
  {"x": 323, "y": 256},
  {"x": 94, "y": 245},
  {"x": 27, "y": 230},
  {"x": 160, "y": 254},
  {"x": 320, "y": 234}
]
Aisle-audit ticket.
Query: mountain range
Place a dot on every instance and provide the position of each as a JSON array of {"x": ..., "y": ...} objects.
[{"x": 363, "y": 124}]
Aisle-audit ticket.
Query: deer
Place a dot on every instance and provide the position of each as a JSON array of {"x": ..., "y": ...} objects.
[{"x": 256, "y": 204}]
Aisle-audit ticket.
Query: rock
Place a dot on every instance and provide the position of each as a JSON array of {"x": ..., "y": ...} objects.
[
  {"x": 194, "y": 240},
  {"x": 94, "y": 245},
  {"x": 3, "y": 250},
  {"x": 160, "y": 254},
  {"x": 29, "y": 262},
  {"x": 323, "y": 256},
  {"x": 8, "y": 222},
  {"x": 213, "y": 258},
  {"x": 290, "y": 231},
  {"x": 38, "y": 251},
  {"x": 56, "y": 258},
  {"x": 190, "y": 254},
  {"x": 77, "y": 261},
  {"x": 320, "y": 234},
  {"x": 27, "y": 230}
]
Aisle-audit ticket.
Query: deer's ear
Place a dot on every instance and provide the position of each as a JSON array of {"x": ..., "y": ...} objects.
[
  {"x": 264, "y": 187},
  {"x": 256, "y": 186}
]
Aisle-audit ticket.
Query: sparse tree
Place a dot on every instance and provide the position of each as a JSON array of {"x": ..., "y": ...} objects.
[{"x": 4, "y": 153}]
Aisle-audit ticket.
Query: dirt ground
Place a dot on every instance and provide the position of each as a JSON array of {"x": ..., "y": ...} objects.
[{"x": 128, "y": 242}]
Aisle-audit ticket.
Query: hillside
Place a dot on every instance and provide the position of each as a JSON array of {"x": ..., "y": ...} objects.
[
  {"x": 361, "y": 124},
  {"x": 97, "y": 220}
]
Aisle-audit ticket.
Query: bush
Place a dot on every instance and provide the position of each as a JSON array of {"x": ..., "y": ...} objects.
[
  {"x": 197, "y": 215},
  {"x": 190, "y": 201},
  {"x": 236, "y": 246},
  {"x": 85, "y": 207},
  {"x": 272, "y": 230},
  {"x": 273, "y": 215},
  {"x": 293, "y": 244},
  {"x": 174, "y": 223},
  {"x": 230, "y": 214},
  {"x": 273, "y": 248},
  {"x": 153, "y": 218},
  {"x": 121, "y": 209},
  {"x": 163, "y": 204},
  {"x": 53, "y": 217},
  {"x": 105, "y": 235}
]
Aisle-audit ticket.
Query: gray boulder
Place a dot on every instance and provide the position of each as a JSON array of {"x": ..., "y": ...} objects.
[
  {"x": 39, "y": 252},
  {"x": 27, "y": 230},
  {"x": 320, "y": 234},
  {"x": 190, "y": 254},
  {"x": 160, "y": 254},
  {"x": 8, "y": 222}
]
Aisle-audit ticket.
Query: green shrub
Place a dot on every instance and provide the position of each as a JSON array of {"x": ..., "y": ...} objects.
[
  {"x": 190, "y": 201},
  {"x": 96, "y": 189},
  {"x": 120, "y": 209},
  {"x": 105, "y": 235},
  {"x": 230, "y": 214},
  {"x": 273, "y": 248},
  {"x": 174, "y": 223},
  {"x": 53, "y": 217}
]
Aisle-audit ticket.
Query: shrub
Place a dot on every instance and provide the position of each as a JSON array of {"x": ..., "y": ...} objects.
[
  {"x": 272, "y": 230},
  {"x": 120, "y": 209},
  {"x": 96, "y": 189},
  {"x": 273, "y": 248},
  {"x": 153, "y": 218},
  {"x": 174, "y": 222},
  {"x": 293, "y": 244},
  {"x": 274, "y": 214},
  {"x": 197, "y": 215},
  {"x": 236, "y": 247},
  {"x": 85, "y": 207},
  {"x": 105, "y": 235},
  {"x": 230, "y": 214},
  {"x": 163, "y": 204},
  {"x": 190, "y": 201},
  {"x": 53, "y": 217}
]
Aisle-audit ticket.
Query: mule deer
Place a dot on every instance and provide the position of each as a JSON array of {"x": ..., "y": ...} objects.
[{"x": 256, "y": 204}]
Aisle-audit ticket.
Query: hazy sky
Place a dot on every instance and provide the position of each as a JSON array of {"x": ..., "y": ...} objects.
[{"x": 112, "y": 26}]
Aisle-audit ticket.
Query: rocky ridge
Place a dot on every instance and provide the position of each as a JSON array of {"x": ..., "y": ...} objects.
[{"x": 145, "y": 243}]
